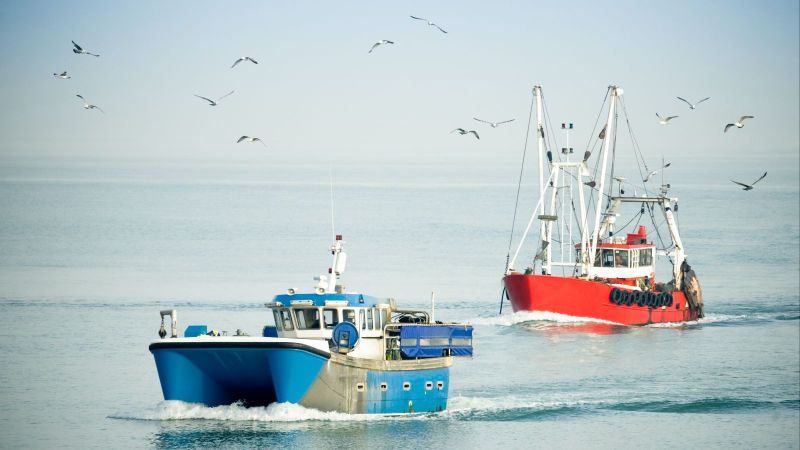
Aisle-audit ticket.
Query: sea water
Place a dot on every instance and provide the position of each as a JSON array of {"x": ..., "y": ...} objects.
[{"x": 92, "y": 249}]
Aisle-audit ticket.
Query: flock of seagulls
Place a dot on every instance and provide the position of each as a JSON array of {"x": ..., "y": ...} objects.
[
  {"x": 738, "y": 124},
  {"x": 387, "y": 41},
  {"x": 89, "y": 106},
  {"x": 663, "y": 120}
]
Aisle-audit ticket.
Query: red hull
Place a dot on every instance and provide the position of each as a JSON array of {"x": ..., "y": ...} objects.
[{"x": 582, "y": 298}]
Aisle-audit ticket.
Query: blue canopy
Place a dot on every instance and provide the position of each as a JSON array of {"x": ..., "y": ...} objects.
[{"x": 433, "y": 341}]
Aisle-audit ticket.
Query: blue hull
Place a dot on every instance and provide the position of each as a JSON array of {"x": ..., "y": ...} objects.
[
  {"x": 263, "y": 372},
  {"x": 223, "y": 373}
]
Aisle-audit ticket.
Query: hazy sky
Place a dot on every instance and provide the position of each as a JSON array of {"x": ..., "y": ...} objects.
[{"x": 318, "y": 95}]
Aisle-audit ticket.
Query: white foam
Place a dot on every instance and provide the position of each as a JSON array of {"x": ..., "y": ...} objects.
[
  {"x": 275, "y": 412},
  {"x": 535, "y": 316},
  {"x": 708, "y": 318},
  {"x": 459, "y": 405}
]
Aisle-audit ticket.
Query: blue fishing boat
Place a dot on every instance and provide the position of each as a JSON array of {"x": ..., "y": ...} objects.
[{"x": 328, "y": 350}]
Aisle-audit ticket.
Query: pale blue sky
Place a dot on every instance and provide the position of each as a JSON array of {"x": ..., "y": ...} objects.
[{"x": 317, "y": 95}]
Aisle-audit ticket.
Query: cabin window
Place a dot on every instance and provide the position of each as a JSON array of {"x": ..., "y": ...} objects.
[
  {"x": 406, "y": 386},
  {"x": 607, "y": 258},
  {"x": 428, "y": 385},
  {"x": 384, "y": 387},
  {"x": 286, "y": 320},
  {"x": 307, "y": 318},
  {"x": 361, "y": 319},
  {"x": 634, "y": 258},
  {"x": 278, "y": 322},
  {"x": 331, "y": 317},
  {"x": 646, "y": 257},
  {"x": 620, "y": 258},
  {"x": 360, "y": 387},
  {"x": 370, "y": 324},
  {"x": 440, "y": 385},
  {"x": 378, "y": 324},
  {"x": 349, "y": 316}
]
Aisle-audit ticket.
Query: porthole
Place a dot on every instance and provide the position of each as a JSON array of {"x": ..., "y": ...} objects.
[
  {"x": 406, "y": 386},
  {"x": 384, "y": 387},
  {"x": 428, "y": 385},
  {"x": 440, "y": 385},
  {"x": 360, "y": 387}
]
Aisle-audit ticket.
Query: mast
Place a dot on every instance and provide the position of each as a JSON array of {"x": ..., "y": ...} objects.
[
  {"x": 615, "y": 93},
  {"x": 537, "y": 93}
]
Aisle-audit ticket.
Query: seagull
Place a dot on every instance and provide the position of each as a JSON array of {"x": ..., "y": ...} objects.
[
  {"x": 213, "y": 102},
  {"x": 81, "y": 51},
  {"x": 429, "y": 23},
  {"x": 739, "y": 123},
  {"x": 650, "y": 175},
  {"x": 493, "y": 124},
  {"x": 664, "y": 120},
  {"x": 463, "y": 131},
  {"x": 691, "y": 106},
  {"x": 244, "y": 58},
  {"x": 749, "y": 187},
  {"x": 86, "y": 104},
  {"x": 382, "y": 41},
  {"x": 250, "y": 139},
  {"x": 63, "y": 75}
]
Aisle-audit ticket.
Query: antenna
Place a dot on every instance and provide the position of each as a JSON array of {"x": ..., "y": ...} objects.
[{"x": 333, "y": 225}]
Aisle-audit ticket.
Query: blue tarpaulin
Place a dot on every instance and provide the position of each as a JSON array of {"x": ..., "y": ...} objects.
[{"x": 432, "y": 341}]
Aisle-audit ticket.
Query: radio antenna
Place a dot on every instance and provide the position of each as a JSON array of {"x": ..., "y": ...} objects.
[{"x": 333, "y": 226}]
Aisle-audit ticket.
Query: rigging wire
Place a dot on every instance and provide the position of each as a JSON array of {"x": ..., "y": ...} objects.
[{"x": 519, "y": 183}]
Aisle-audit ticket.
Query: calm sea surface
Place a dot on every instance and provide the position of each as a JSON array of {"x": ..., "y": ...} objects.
[{"x": 91, "y": 250}]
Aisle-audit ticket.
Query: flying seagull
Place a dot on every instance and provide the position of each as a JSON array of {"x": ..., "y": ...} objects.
[
  {"x": 250, "y": 139},
  {"x": 691, "y": 106},
  {"x": 493, "y": 124},
  {"x": 749, "y": 187},
  {"x": 81, "y": 51},
  {"x": 664, "y": 120},
  {"x": 244, "y": 58},
  {"x": 63, "y": 75},
  {"x": 213, "y": 102},
  {"x": 463, "y": 131},
  {"x": 739, "y": 123},
  {"x": 86, "y": 104},
  {"x": 382, "y": 41},
  {"x": 650, "y": 175},
  {"x": 429, "y": 23}
]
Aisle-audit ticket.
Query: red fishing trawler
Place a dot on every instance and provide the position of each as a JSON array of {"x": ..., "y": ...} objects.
[{"x": 605, "y": 273}]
